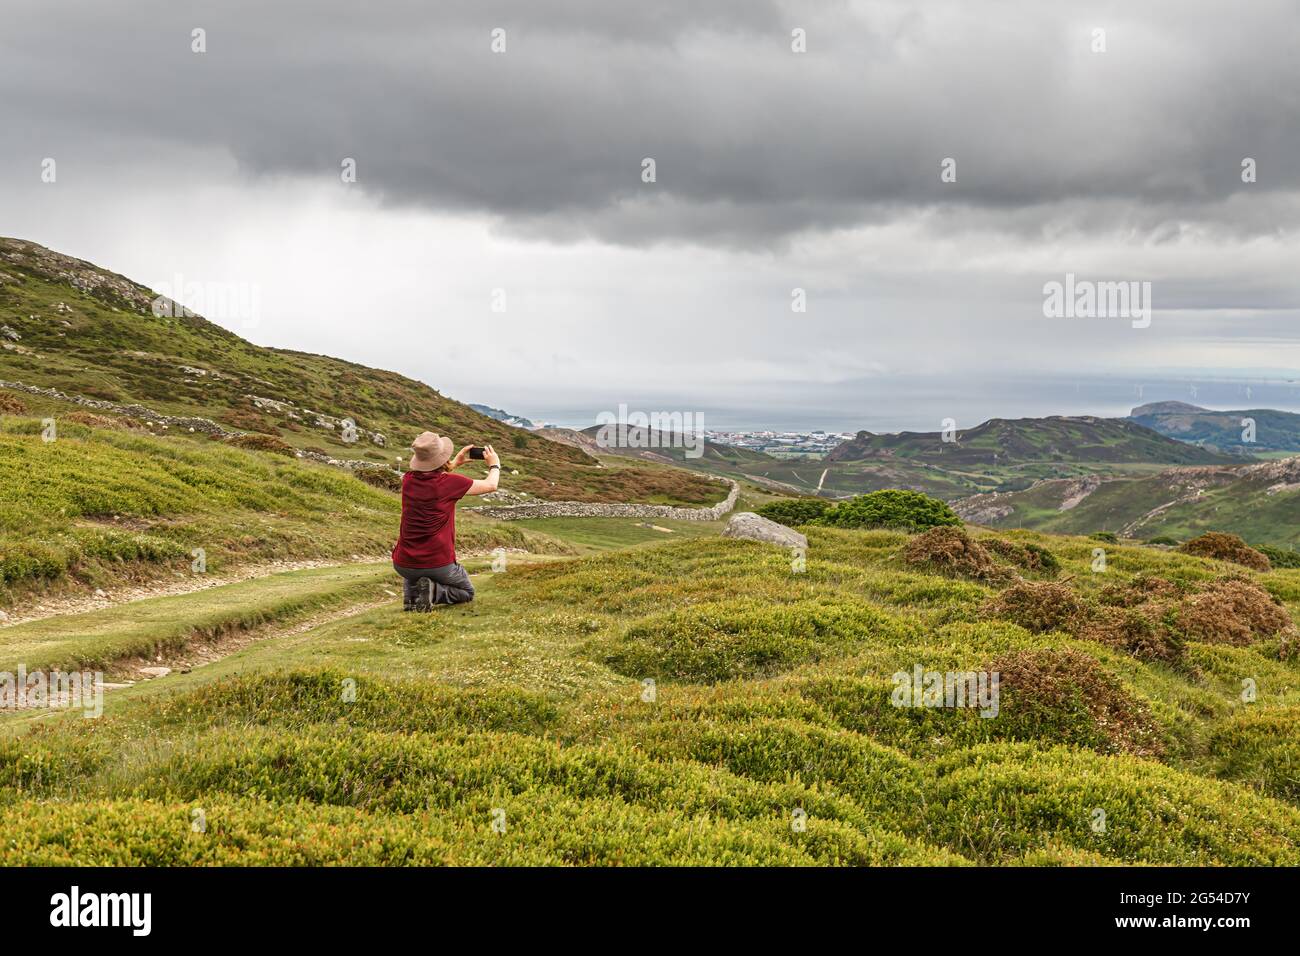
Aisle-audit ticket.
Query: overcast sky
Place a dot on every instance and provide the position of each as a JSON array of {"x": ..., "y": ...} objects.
[{"x": 775, "y": 170}]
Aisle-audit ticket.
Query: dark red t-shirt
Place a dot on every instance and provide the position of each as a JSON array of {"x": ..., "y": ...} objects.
[{"x": 427, "y": 538}]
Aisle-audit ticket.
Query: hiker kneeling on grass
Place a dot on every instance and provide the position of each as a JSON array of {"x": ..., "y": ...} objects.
[{"x": 425, "y": 555}]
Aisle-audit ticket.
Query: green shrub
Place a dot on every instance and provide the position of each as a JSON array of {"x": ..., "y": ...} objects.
[
  {"x": 793, "y": 512},
  {"x": 1281, "y": 557},
  {"x": 1109, "y": 537},
  {"x": 892, "y": 508},
  {"x": 299, "y": 699},
  {"x": 1262, "y": 750},
  {"x": 1003, "y": 801},
  {"x": 747, "y": 638}
]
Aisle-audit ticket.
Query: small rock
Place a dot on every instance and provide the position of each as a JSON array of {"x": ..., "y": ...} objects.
[
  {"x": 748, "y": 525},
  {"x": 154, "y": 671},
  {"x": 3, "y": 616},
  {"x": 99, "y": 593}
]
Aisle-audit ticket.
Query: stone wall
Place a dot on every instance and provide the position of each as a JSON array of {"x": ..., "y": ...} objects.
[
  {"x": 205, "y": 425},
  {"x": 587, "y": 509}
]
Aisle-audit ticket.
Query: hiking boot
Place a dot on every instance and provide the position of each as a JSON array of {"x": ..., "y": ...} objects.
[{"x": 420, "y": 596}]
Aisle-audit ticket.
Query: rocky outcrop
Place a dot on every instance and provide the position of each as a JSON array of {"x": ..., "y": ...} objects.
[
  {"x": 88, "y": 278},
  {"x": 982, "y": 509},
  {"x": 754, "y": 527},
  {"x": 319, "y": 419},
  {"x": 570, "y": 436},
  {"x": 588, "y": 509},
  {"x": 1076, "y": 491}
]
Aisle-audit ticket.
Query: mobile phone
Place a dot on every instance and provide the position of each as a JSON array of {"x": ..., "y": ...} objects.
[{"x": 476, "y": 452}]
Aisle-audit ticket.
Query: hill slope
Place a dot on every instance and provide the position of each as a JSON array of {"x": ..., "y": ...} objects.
[
  {"x": 1055, "y": 439},
  {"x": 1222, "y": 430},
  {"x": 68, "y": 325},
  {"x": 1260, "y": 502}
]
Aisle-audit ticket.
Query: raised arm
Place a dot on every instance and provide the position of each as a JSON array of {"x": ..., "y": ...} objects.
[{"x": 487, "y": 485}]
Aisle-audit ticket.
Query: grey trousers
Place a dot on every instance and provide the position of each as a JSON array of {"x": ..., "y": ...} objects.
[{"x": 422, "y": 588}]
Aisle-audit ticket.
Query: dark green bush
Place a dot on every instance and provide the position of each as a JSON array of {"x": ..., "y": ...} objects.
[
  {"x": 1107, "y": 536},
  {"x": 1281, "y": 557},
  {"x": 793, "y": 512},
  {"x": 893, "y": 508}
]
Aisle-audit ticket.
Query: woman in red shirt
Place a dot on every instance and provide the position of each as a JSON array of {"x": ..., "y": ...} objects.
[{"x": 425, "y": 555}]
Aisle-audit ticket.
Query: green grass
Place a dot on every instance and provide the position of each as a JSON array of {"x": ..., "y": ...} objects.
[
  {"x": 100, "y": 507},
  {"x": 772, "y": 695},
  {"x": 144, "y": 628},
  {"x": 603, "y": 535}
]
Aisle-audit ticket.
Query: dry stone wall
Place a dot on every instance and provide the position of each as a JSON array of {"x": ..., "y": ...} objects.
[{"x": 587, "y": 509}]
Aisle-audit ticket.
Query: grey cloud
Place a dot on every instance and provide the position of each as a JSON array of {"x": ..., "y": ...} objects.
[{"x": 753, "y": 144}]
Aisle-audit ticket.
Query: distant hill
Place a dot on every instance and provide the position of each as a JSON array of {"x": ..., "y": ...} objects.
[
  {"x": 517, "y": 421},
  {"x": 1221, "y": 430},
  {"x": 1258, "y": 501},
  {"x": 1000, "y": 441},
  {"x": 1000, "y": 454},
  {"x": 67, "y": 325}
]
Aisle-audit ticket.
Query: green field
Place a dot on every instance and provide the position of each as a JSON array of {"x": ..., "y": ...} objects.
[{"x": 528, "y": 709}]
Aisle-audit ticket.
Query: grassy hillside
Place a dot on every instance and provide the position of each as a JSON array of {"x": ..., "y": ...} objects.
[
  {"x": 999, "y": 442},
  {"x": 68, "y": 325},
  {"x": 1222, "y": 430},
  {"x": 98, "y": 507},
  {"x": 1258, "y": 502},
  {"x": 519, "y": 729}
]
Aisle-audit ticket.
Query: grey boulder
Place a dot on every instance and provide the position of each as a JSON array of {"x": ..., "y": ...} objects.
[{"x": 746, "y": 524}]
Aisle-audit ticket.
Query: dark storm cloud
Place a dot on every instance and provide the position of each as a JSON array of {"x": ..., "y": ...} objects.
[{"x": 752, "y": 142}]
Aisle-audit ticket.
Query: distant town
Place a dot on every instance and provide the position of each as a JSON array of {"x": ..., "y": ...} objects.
[
  {"x": 788, "y": 443},
  {"x": 814, "y": 443}
]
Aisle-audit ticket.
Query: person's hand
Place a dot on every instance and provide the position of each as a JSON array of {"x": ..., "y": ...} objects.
[
  {"x": 490, "y": 456},
  {"x": 461, "y": 457}
]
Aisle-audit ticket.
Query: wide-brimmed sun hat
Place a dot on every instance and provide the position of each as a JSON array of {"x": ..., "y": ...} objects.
[{"x": 431, "y": 452}]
